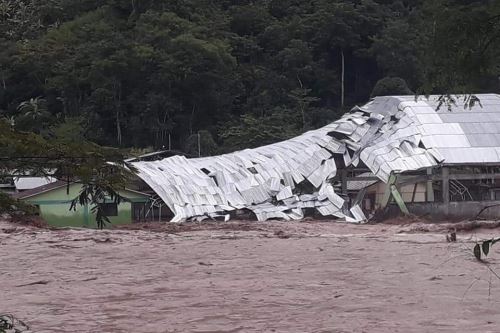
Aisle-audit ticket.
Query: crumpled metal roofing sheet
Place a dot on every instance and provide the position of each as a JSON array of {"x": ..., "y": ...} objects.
[
  {"x": 262, "y": 180},
  {"x": 388, "y": 135}
]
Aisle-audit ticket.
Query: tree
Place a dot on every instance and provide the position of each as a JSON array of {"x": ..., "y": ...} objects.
[
  {"x": 464, "y": 46},
  {"x": 250, "y": 131},
  {"x": 33, "y": 108},
  {"x": 391, "y": 86},
  {"x": 201, "y": 144},
  {"x": 101, "y": 171},
  {"x": 300, "y": 96},
  {"x": 399, "y": 48},
  {"x": 153, "y": 73},
  {"x": 32, "y": 115}
]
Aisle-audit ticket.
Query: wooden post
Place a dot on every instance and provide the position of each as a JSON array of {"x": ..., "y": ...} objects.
[
  {"x": 415, "y": 187},
  {"x": 430, "y": 189},
  {"x": 445, "y": 173}
]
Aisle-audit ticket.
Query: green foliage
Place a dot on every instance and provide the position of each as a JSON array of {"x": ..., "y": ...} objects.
[
  {"x": 150, "y": 73},
  {"x": 207, "y": 145},
  {"x": 303, "y": 100},
  {"x": 146, "y": 73},
  {"x": 463, "y": 47},
  {"x": 250, "y": 131},
  {"x": 33, "y": 108},
  {"x": 95, "y": 194},
  {"x": 72, "y": 130},
  {"x": 100, "y": 170},
  {"x": 137, "y": 152},
  {"x": 32, "y": 115},
  {"x": 12, "y": 206},
  {"x": 400, "y": 47},
  {"x": 391, "y": 86},
  {"x": 139, "y": 72}
]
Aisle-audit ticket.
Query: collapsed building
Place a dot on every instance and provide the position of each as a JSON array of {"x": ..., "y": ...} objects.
[{"x": 415, "y": 154}]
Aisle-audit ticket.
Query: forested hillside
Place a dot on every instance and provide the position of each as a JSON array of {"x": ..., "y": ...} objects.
[{"x": 134, "y": 73}]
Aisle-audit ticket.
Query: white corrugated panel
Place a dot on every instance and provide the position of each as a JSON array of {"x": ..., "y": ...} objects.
[{"x": 401, "y": 134}]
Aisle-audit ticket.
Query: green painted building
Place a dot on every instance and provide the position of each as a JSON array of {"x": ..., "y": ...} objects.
[{"x": 53, "y": 201}]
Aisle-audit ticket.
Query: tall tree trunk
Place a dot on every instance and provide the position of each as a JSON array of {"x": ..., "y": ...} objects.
[
  {"x": 302, "y": 109},
  {"x": 302, "y": 104},
  {"x": 165, "y": 129},
  {"x": 342, "y": 91},
  {"x": 118, "y": 92},
  {"x": 118, "y": 128},
  {"x": 64, "y": 101},
  {"x": 199, "y": 145},
  {"x": 191, "y": 119},
  {"x": 134, "y": 8}
]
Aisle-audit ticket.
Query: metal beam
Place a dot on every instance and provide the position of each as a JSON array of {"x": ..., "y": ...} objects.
[
  {"x": 399, "y": 200},
  {"x": 405, "y": 180},
  {"x": 392, "y": 190},
  {"x": 478, "y": 176},
  {"x": 359, "y": 197},
  {"x": 410, "y": 179},
  {"x": 353, "y": 179}
]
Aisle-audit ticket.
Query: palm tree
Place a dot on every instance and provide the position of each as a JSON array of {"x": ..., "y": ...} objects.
[
  {"x": 34, "y": 107},
  {"x": 10, "y": 120}
]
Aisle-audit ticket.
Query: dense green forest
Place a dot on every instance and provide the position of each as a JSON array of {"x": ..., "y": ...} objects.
[{"x": 242, "y": 73}]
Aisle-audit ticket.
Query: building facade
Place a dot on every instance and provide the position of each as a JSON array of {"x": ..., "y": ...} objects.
[{"x": 53, "y": 202}]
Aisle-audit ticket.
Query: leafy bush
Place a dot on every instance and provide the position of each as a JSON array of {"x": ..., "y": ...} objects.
[
  {"x": 10, "y": 205},
  {"x": 391, "y": 86}
]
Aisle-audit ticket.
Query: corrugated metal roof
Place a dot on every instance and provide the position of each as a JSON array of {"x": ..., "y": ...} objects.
[
  {"x": 28, "y": 183},
  {"x": 462, "y": 135},
  {"x": 388, "y": 134}
]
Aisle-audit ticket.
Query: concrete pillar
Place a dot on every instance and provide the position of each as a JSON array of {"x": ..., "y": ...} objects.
[
  {"x": 446, "y": 185},
  {"x": 430, "y": 188}
]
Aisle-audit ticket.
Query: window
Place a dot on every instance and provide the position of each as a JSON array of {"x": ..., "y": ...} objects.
[{"x": 109, "y": 209}]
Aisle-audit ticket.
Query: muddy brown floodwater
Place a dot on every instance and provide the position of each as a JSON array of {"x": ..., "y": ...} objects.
[{"x": 249, "y": 277}]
